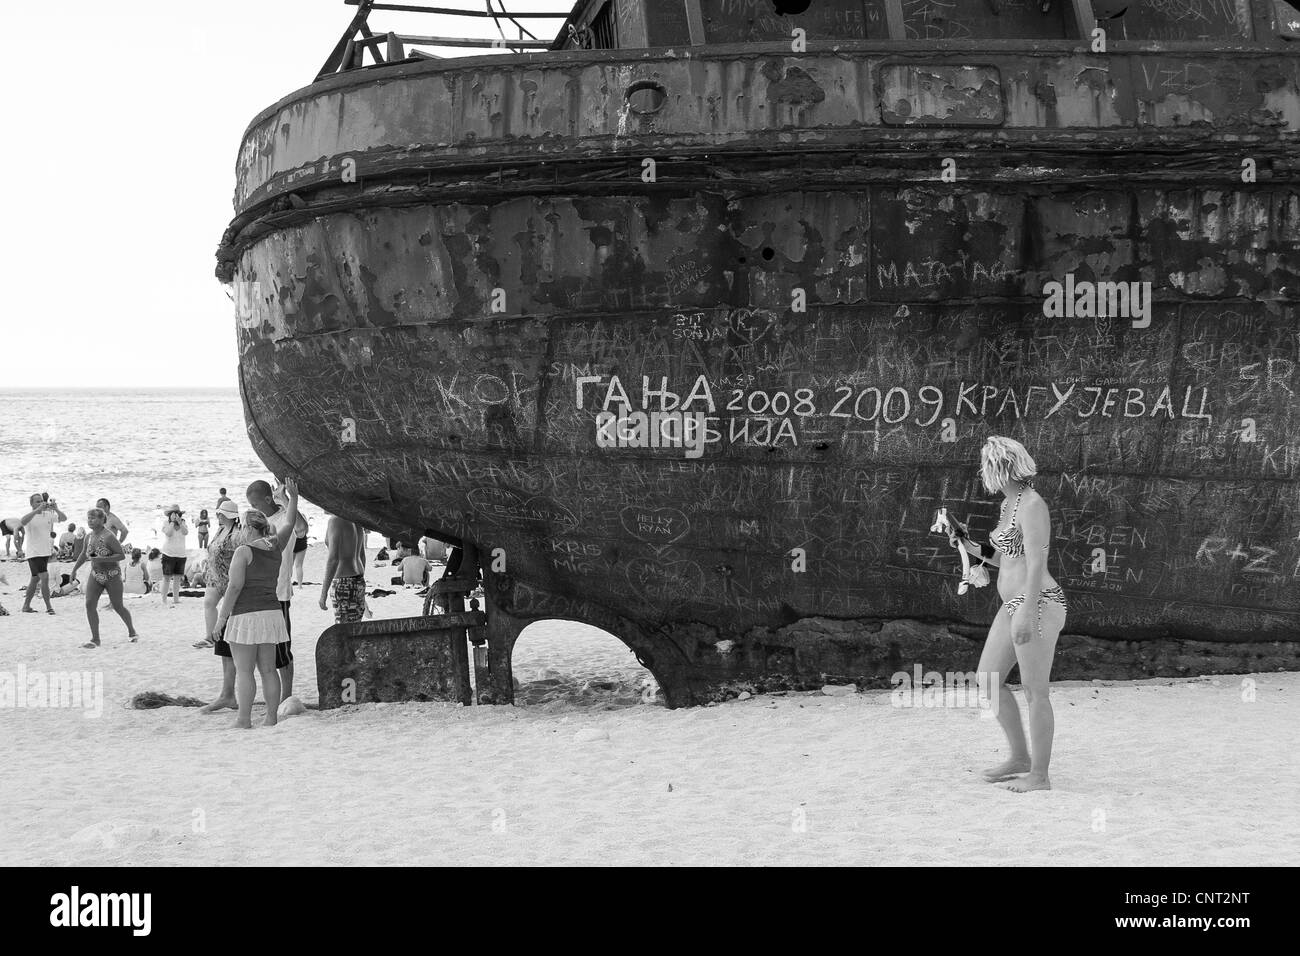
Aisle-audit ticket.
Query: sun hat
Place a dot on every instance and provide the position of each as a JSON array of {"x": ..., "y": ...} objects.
[
  {"x": 170, "y": 508},
  {"x": 228, "y": 508}
]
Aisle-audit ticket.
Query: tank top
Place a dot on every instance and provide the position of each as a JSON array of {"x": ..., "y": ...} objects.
[
  {"x": 133, "y": 578},
  {"x": 260, "y": 579}
]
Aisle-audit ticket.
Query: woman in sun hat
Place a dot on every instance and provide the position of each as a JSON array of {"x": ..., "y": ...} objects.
[{"x": 220, "y": 550}]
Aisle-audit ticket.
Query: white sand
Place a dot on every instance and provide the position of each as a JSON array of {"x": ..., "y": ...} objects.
[{"x": 1147, "y": 773}]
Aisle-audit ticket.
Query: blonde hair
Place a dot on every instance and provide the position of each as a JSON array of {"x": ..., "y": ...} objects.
[
  {"x": 256, "y": 525},
  {"x": 1003, "y": 460}
]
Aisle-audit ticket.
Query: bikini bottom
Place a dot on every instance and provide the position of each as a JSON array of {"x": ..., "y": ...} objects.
[
  {"x": 1050, "y": 595},
  {"x": 103, "y": 577}
]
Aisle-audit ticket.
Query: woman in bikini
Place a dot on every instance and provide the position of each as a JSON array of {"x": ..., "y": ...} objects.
[
  {"x": 1025, "y": 630},
  {"x": 101, "y": 547}
]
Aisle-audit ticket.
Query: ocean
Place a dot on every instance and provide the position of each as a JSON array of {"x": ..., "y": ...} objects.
[{"x": 141, "y": 448}]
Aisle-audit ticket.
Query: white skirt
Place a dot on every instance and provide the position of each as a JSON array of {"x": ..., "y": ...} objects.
[{"x": 256, "y": 627}]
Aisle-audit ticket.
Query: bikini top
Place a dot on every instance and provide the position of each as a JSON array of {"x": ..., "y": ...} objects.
[
  {"x": 1011, "y": 540},
  {"x": 98, "y": 549}
]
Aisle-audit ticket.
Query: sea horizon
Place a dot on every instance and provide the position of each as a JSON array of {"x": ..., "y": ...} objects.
[{"x": 144, "y": 447}]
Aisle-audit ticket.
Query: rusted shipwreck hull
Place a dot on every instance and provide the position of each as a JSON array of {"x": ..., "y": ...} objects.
[{"x": 430, "y": 341}]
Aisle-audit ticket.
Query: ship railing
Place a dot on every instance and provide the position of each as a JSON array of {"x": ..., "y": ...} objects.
[{"x": 358, "y": 39}]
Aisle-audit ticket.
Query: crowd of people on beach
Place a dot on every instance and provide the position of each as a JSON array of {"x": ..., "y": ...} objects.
[{"x": 246, "y": 576}]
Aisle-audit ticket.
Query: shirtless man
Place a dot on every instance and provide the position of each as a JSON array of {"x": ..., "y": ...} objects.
[
  {"x": 115, "y": 525},
  {"x": 345, "y": 566},
  {"x": 12, "y": 529}
]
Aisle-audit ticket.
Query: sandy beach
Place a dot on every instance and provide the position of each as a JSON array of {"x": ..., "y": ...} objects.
[{"x": 1145, "y": 773}]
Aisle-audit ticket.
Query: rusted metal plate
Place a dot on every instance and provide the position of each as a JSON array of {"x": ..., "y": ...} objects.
[
  {"x": 393, "y": 660},
  {"x": 940, "y": 95},
  {"x": 981, "y": 19},
  {"x": 751, "y": 21},
  {"x": 1183, "y": 20},
  {"x": 439, "y": 116}
]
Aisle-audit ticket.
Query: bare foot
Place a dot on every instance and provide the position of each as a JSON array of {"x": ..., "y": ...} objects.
[
  {"x": 270, "y": 721},
  {"x": 1031, "y": 782},
  {"x": 1005, "y": 771},
  {"x": 221, "y": 703},
  {"x": 243, "y": 724}
]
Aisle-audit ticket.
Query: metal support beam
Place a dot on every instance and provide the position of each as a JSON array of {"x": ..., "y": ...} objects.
[
  {"x": 894, "y": 19},
  {"x": 448, "y": 11},
  {"x": 694, "y": 22},
  {"x": 1084, "y": 21}
]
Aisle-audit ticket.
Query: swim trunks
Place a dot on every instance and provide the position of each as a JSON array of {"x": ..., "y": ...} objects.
[
  {"x": 284, "y": 650},
  {"x": 173, "y": 567},
  {"x": 300, "y": 544},
  {"x": 349, "y": 599},
  {"x": 221, "y": 648},
  {"x": 39, "y": 565}
]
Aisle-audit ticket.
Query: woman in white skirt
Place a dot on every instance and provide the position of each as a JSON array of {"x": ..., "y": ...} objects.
[{"x": 250, "y": 615}]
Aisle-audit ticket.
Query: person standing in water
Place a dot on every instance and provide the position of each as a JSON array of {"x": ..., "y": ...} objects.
[
  {"x": 104, "y": 551},
  {"x": 345, "y": 566},
  {"x": 38, "y": 525},
  {"x": 251, "y": 619},
  {"x": 1034, "y": 607}
]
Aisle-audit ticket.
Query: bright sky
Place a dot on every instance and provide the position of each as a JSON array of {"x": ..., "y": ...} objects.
[{"x": 122, "y": 125}]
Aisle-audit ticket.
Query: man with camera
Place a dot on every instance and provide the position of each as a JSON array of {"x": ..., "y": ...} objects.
[
  {"x": 39, "y": 525},
  {"x": 174, "y": 552}
]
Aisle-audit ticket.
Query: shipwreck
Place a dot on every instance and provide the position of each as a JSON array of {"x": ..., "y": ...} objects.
[{"x": 686, "y": 317}]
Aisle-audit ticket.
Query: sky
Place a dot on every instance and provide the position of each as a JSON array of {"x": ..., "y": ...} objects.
[{"x": 122, "y": 125}]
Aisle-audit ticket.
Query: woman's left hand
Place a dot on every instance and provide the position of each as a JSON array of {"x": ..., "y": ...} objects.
[
  {"x": 1022, "y": 628},
  {"x": 290, "y": 487}
]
